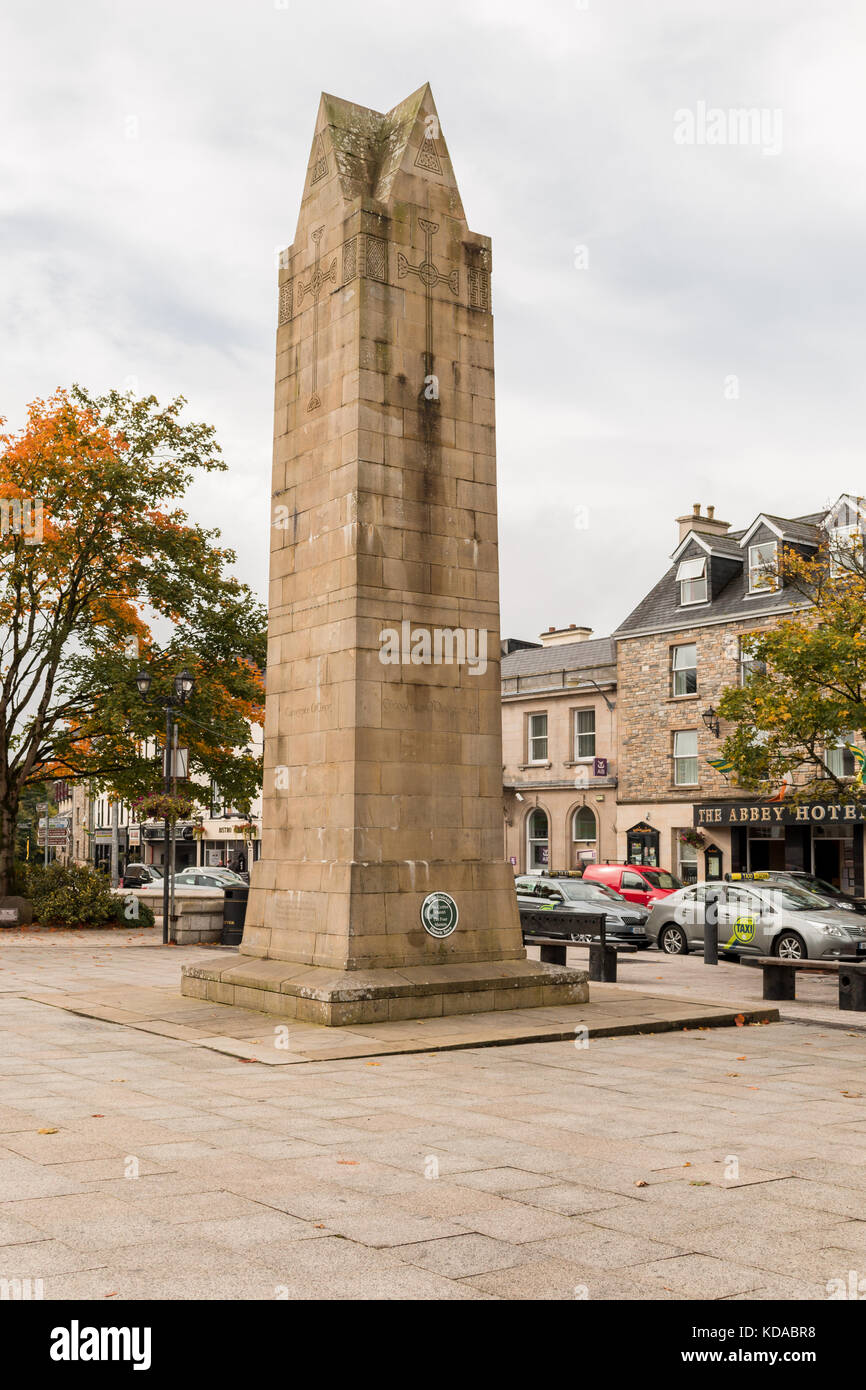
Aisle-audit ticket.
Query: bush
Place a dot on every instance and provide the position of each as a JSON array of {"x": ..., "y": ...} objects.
[
  {"x": 71, "y": 895},
  {"x": 18, "y": 881},
  {"x": 132, "y": 911}
]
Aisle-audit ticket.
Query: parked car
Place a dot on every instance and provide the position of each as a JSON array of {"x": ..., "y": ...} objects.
[
  {"x": 835, "y": 896},
  {"x": 637, "y": 882},
  {"x": 208, "y": 879},
  {"x": 141, "y": 876},
  {"x": 567, "y": 898},
  {"x": 767, "y": 917}
]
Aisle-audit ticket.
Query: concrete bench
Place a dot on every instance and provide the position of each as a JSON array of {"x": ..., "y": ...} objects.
[{"x": 780, "y": 978}]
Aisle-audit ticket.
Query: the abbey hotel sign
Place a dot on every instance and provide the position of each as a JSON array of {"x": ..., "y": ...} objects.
[{"x": 727, "y": 813}]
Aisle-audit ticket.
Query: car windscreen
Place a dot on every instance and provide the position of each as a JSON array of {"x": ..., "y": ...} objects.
[
  {"x": 586, "y": 892},
  {"x": 660, "y": 878},
  {"x": 822, "y": 888},
  {"x": 790, "y": 899}
]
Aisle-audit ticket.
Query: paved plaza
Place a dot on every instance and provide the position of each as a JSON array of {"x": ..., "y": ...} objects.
[{"x": 717, "y": 1163}]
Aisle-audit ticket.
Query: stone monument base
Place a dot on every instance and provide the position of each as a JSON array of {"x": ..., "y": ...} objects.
[{"x": 337, "y": 998}]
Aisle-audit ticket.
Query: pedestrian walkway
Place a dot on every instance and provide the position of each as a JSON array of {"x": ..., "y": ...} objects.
[
  {"x": 102, "y": 986},
  {"x": 712, "y": 1163}
]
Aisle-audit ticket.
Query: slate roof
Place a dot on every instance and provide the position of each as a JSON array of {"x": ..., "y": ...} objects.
[
  {"x": 660, "y": 610},
  {"x": 795, "y": 528},
  {"x": 564, "y": 656},
  {"x": 723, "y": 545}
]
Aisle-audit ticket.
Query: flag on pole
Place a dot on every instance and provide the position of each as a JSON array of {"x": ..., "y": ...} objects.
[
  {"x": 721, "y": 764},
  {"x": 859, "y": 761},
  {"x": 787, "y": 784}
]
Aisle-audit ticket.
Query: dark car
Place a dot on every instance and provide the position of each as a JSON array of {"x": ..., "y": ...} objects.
[
  {"x": 568, "y": 898},
  {"x": 835, "y": 896},
  {"x": 141, "y": 876}
]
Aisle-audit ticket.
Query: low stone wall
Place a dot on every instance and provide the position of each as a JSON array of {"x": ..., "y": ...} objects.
[{"x": 197, "y": 916}]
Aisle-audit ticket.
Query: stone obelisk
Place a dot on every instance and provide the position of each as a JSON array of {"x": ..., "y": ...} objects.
[{"x": 382, "y": 891}]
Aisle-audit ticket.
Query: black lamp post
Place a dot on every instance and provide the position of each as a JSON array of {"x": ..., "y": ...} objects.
[
  {"x": 711, "y": 720},
  {"x": 182, "y": 686}
]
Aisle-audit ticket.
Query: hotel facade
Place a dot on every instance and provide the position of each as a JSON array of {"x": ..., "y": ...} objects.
[{"x": 649, "y": 693}]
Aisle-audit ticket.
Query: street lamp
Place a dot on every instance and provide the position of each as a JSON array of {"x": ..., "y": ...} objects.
[
  {"x": 711, "y": 720},
  {"x": 183, "y": 687}
]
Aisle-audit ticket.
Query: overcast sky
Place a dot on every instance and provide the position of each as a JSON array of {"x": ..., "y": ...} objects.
[{"x": 675, "y": 322}]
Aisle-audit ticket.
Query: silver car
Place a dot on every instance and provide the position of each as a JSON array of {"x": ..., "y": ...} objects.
[{"x": 770, "y": 918}]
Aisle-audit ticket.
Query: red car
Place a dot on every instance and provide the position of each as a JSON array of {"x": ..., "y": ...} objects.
[{"x": 637, "y": 882}]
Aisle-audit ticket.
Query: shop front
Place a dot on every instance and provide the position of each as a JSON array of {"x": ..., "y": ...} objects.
[
  {"x": 152, "y": 840},
  {"x": 820, "y": 837},
  {"x": 222, "y": 844}
]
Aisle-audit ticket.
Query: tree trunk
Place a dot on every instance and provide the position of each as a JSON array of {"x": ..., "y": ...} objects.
[{"x": 8, "y": 824}]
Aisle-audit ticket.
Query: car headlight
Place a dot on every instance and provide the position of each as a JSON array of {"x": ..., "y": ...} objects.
[{"x": 829, "y": 929}]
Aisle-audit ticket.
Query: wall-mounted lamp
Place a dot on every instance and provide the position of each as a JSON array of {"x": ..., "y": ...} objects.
[{"x": 711, "y": 720}]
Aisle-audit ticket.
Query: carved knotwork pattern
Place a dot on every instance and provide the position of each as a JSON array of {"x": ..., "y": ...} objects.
[
  {"x": 286, "y": 301},
  {"x": 479, "y": 278},
  {"x": 320, "y": 163},
  {"x": 364, "y": 255},
  {"x": 376, "y": 261},
  {"x": 350, "y": 259}
]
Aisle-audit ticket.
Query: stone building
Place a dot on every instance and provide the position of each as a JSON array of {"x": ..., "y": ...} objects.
[
  {"x": 676, "y": 652},
  {"x": 559, "y": 742}
]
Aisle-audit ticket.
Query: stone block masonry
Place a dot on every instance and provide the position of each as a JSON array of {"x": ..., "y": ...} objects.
[{"x": 382, "y": 778}]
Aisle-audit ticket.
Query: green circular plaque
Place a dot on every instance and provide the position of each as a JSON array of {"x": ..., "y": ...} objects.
[{"x": 439, "y": 914}]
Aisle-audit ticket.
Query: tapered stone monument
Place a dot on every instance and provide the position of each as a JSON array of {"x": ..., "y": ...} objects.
[{"x": 382, "y": 892}]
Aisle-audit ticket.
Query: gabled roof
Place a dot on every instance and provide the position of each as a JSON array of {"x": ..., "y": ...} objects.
[
  {"x": 713, "y": 545},
  {"x": 847, "y": 498},
  {"x": 798, "y": 530}
]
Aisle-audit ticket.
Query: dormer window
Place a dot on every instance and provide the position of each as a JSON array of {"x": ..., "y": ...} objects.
[
  {"x": 846, "y": 548},
  {"x": 692, "y": 579},
  {"x": 762, "y": 567}
]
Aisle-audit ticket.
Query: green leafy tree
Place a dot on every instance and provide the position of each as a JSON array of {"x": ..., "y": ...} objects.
[
  {"x": 807, "y": 692},
  {"x": 104, "y": 571}
]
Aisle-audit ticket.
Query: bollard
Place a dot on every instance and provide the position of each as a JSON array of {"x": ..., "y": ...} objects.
[
  {"x": 852, "y": 988},
  {"x": 711, "y": 926},
  {"x": 602, "y": 963}
]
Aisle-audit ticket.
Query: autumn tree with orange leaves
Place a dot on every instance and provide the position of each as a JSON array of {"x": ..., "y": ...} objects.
[{"x": 100, "y": 571}]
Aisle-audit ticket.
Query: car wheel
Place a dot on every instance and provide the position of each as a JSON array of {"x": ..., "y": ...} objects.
[
  {"x": 672, "y": 940},
  {"x": 790, "y": 946}
]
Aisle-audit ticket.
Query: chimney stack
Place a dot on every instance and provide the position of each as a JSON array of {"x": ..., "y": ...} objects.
[
  {"x": 707, "y": 525},
  {"x": 556, "y": 636}
]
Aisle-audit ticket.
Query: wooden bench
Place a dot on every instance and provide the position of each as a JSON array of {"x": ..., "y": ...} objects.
[
  {"x": 602, "y": 954},
  {"x": 780, "y": 978}
]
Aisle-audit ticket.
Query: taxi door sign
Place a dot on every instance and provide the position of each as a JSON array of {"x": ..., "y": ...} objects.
[{"x": 744, "y": 930}]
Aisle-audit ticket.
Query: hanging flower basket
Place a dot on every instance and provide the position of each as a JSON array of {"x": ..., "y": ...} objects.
[
  {"x": 162, "y": 806},
  {"x": 695, "y": 838}
]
